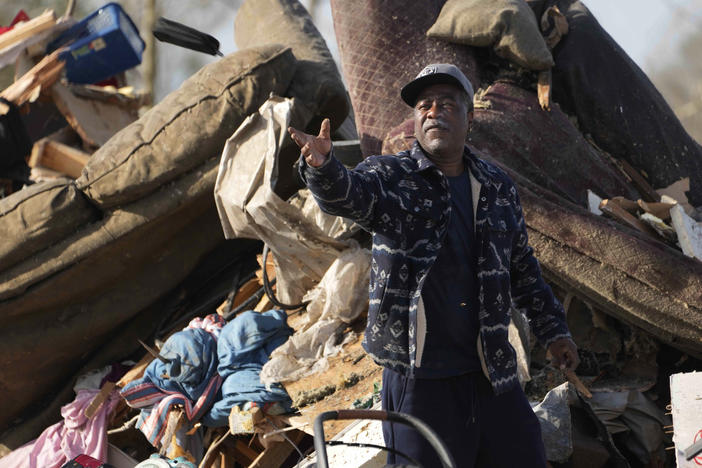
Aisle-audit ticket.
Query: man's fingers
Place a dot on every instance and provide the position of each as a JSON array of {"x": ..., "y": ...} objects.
[
  {"x": 297, "y": 136},
  {"x": 325, "y": 130}
]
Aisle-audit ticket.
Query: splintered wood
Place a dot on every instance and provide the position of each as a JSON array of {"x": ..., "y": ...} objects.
[
  {"x": 58, "y": 157},
  {"x": 96, "y": 121},
  {"x": 27, "y": 29},
  {"x": 544, "y": 90},
  {"x": 41, "y": 77}
]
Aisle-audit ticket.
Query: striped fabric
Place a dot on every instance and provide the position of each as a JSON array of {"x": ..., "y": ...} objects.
[
  {"x": 189, "y": 378},
  {"x": 403, "y": 200}
]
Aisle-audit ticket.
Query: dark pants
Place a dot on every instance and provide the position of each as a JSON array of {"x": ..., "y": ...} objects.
[{"x": 478, "y": 427}]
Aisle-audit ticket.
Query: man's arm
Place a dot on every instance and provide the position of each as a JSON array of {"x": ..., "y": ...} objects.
[
  {"x": 338, "y": 191},
  {"x": 531, "y": 294}
]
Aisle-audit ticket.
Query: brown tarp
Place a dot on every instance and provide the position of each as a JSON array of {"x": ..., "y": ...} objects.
[
  {"x": 153, "y": 182},
  {"x": 40, "y": 215},
  {"x": 316, "y": 83},
  {"x": 618, "y": 105},
  {"x": 188, "y": 127}
]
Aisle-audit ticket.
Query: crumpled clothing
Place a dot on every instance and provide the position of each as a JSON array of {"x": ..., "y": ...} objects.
[
  {"x": 244, "y": 347},
  {"x": 188, "y": 378},
  {"x": 73, "y": 436},
  {"x": 249, "y": 340},
  {"x": 212, "y": 324}
]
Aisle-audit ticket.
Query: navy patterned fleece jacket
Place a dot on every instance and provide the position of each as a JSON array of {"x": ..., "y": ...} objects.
[{"x": 404, "y": 201}]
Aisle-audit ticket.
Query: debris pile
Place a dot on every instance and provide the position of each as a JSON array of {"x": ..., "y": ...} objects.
[{"x": 251, "y": 303}]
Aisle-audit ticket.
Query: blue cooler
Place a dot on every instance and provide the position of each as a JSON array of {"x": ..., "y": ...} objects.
[{"x": 103, "y": 44}]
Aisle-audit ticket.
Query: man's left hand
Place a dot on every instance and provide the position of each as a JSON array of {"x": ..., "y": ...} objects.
[{"x": 564, "y": 354}]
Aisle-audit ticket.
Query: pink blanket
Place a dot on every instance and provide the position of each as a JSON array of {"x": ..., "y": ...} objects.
[{"x": 73, "y": 436}]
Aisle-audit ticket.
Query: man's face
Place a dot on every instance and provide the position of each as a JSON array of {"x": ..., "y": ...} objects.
[{"x": 441, "y": 120}]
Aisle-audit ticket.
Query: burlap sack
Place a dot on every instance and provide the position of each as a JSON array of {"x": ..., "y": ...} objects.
[
  {"x": 171, "y": 205},
  {"x": 508, "y": 26},
  {"x": 38, "y": 216},
  {"x": 188, "y": 127},
  {"x": 317, "y": 82}
]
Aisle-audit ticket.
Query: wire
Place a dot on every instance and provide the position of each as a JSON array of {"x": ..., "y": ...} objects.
[
  {"x": 269, "y": 291},
  {"x": 285, "y": 436},
  {"x": 247, "y": 304}
]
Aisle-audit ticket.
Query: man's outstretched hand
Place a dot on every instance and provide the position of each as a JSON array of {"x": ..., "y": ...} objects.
[
  {"x": 315, "y": 149},
  {"x": 564, "y": 354}
]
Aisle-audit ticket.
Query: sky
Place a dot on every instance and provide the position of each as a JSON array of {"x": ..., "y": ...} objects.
[{"x": 647, "y": 29}]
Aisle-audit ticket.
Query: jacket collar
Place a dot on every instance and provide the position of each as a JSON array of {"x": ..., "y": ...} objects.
[{"x": 475, "y": 165}]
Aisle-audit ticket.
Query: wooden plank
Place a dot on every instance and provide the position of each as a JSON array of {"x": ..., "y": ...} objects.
[
  {"x": 43, "y": 75},
  {"x": 264, "y": 304},
  {"x": 24, "y": 30},
  {"x": 620, "y": 214},
  {"x": 676, "y": 193},
  {"x": 629, "y": 205},
  {"x": 59, "y": 157},
  {"x": 135, "y": 372},
  {"x": 278, "y": 452},
  {"x": 659, "y": 210},
  {"x": 125, "y": 97},
  {"x": 247, "y": 290},
  {"x": 248, "y": 453},
  {"x": 99, "y": 399},
  {"x": 96, "y": 121},
  {"x": 641, "y": 184}
]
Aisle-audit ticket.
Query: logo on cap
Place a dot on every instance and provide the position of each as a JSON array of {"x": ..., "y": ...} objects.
[{"x": 427, "y": 71}]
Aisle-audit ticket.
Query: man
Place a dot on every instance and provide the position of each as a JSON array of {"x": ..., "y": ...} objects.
[{"x": 450, "y": 257}]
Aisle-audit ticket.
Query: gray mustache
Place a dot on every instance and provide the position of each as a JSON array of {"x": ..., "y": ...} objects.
[{"x": 436, "y": 123}]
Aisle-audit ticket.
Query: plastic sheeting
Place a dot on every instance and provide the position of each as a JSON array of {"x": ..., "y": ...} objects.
[
  {"x": 310, "y": 263},
  {"x": 633, "y": 413},
  {"x": 248, "y": 206},
  {"x": 553, "y": 414},
  {"x": 337, "y": 300}
]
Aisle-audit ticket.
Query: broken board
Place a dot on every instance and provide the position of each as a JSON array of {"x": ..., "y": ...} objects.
[{"x": 95, "y": 120}]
